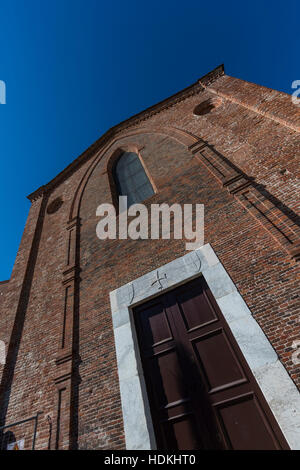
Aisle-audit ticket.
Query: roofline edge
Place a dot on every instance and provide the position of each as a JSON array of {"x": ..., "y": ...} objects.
[{"x": 142, "y": 115}]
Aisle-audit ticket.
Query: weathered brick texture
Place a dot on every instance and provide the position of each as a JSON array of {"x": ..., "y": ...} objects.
[{"x": 55, "y": 313}]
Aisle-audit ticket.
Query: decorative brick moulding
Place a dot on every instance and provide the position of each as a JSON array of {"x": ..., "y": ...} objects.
[
  {"x": 284, "y": 230},
  {"x": 66, "y": 357}
]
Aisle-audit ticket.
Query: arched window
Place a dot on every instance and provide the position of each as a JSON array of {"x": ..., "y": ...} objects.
[{"x": 131, "y": 179}]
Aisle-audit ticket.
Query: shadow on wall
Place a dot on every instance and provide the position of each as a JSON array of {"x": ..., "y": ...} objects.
[{"x": 17, "y": 330}]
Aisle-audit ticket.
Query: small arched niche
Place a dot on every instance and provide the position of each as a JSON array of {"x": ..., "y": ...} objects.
[{"x": 207, "y": 106}]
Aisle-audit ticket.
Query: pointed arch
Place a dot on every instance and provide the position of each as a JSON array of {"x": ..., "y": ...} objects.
[{"x": 183, "y": 137}]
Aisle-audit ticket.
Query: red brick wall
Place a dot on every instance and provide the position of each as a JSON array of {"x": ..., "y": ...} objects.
[{"x": 255, "y": 129}]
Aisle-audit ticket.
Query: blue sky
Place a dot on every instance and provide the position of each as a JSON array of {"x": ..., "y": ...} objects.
[{"x": 74, "y": 68}]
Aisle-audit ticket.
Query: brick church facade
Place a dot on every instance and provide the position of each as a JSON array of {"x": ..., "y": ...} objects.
[{"x": 77, "y": 357}]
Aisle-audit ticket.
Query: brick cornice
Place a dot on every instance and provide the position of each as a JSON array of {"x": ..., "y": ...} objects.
[{"x": 191, "y": 90}]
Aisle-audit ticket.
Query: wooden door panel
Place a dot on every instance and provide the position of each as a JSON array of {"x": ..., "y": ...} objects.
[
  {"x": 182, "y": 429},
  {"x": 154, "y": 325},
  {"x": 196, "y": 310},
  {"x": 245, "y": 425},
  {"x": 167, "y": 379},
  {"x": 218, "y": 362}
]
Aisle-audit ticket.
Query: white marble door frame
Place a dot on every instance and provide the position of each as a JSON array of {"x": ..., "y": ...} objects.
[{"x": 278, "y": 388}]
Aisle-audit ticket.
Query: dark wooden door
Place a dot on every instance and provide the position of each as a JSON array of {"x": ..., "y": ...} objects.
[{"x": 202, "y": 393}]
